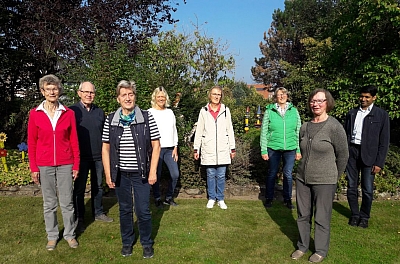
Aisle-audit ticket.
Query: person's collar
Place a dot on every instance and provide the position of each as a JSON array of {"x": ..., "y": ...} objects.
[
  {"x": 41, "y": 107},
  {"x": 368, "y": 109},
  {"x": 84, "y": 106},
  {"x": 210, "y": 109},
  {"x": 285, "y": 107}
]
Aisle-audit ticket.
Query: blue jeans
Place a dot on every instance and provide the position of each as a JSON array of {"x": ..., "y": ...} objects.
[
  {"x": 96, "y": 180},
  {"x": 134, "y": 192},
  {"x": 216, "y": 182},
  {"x": 353, "y": 169},
  {"x": 275, "y": 156},
  {"x": 166, "y": 156}
]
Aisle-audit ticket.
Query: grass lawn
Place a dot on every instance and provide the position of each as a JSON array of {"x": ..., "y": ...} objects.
[{"x": 190, "y": 233}]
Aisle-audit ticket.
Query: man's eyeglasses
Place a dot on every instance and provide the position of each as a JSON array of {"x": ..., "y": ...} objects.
[
  {"x": 87, "y": 92},
  {"x": 318, "y": 102}
]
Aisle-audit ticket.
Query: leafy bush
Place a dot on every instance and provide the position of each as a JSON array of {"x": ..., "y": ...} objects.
[
  {"x": 192, "y": 175},
  {"x": 18, "y": 170},
  {"x": 247, "y": 167}
]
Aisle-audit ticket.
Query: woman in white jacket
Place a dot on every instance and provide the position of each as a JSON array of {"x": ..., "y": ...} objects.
[{"x": 215, "y": 142}]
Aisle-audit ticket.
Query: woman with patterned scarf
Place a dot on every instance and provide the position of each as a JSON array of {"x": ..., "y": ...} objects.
[{"x": 130, "y": 153}]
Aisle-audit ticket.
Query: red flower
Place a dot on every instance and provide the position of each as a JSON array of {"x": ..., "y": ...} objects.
[{"x": 3, "y": 153}]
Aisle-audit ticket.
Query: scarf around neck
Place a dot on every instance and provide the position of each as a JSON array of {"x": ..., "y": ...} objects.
[{"x": 126, "y": 120}]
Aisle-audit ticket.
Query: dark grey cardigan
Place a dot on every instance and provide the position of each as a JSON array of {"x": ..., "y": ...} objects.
[{"x": 324, "y": 156}]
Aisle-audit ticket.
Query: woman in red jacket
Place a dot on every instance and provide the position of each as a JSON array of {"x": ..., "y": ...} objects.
[{"x": 54, "y": 158}]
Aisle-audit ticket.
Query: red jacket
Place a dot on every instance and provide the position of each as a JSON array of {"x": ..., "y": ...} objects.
[{"x": 52, "y": 148}]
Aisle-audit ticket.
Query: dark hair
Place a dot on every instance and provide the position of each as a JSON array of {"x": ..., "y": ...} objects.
[
  {"x": 330, "y": 102},
  {"x": 371, "y": 89}
]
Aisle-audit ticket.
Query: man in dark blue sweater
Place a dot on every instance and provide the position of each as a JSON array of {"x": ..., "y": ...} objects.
[{"x": 90, "y": 120}]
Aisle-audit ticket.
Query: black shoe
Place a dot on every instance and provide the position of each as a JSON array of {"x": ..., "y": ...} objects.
[
  {"x": 363, "y": 223},
  {"x": 268, "y": 203},
  {"x": 288, "y": 204},
  {"x": 126, "y": 251},
  {"x": 148, "y": 252},
  {"x": 159, "y": 203},
  {"x": 170, "y": 202},
  {"x": 354, "y": 221}
]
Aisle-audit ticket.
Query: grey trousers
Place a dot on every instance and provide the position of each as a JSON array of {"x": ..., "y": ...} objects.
[
  {"x": 317, "y": 200},
  {"x": 53, "y": 179}
]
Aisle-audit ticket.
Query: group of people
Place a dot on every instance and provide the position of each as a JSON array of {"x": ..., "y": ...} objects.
[
  {"x": 128, "y": 146},
  {"x": 325, "y": 149}
]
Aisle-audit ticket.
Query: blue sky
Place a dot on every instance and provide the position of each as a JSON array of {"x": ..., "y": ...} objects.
[{"x": 239, "y": 23}]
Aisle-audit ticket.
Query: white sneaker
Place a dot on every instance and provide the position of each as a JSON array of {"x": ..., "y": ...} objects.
[
  {"x": 222, "y": 205},
  {"x": 210, "y": 203}
]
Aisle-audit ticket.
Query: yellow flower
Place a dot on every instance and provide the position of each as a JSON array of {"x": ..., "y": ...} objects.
[{"x": 3, "y": 137}]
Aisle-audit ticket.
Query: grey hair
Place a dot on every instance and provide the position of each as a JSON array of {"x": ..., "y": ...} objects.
[
  {"x": 80, "y": 85},
  {"x": 51, "y": 79},
  {"x": 127, "y": 85}
]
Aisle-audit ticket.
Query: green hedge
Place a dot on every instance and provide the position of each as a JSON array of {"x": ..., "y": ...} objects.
[{"x": 247, "y": 167}]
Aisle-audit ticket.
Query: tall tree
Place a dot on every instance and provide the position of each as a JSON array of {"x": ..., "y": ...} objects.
[
  {"x": 299, "y": 19},
  {"x": 39, "y": 37},
  {"x": 366, "y": 50}
]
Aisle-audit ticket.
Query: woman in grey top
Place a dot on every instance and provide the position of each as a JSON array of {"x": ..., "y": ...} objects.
[{"x": 324, "y": 156}]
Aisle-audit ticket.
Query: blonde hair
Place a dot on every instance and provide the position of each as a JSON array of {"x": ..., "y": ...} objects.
[
  {"x": 156, "y": 91},
  {"x": 284, "y": 90}
]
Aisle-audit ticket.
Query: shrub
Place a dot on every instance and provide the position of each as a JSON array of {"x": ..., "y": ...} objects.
[
  {"x": 192, "y": 176},
  {"x": 18, "y": 170}
]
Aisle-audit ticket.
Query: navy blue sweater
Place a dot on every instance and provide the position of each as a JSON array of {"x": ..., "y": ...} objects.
[{"x": 89, "y": 125}]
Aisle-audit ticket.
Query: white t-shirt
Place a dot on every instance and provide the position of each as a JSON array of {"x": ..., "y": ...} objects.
[{"x": 166, "y": 124}]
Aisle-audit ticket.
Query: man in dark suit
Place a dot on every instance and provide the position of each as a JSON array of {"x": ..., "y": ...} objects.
[{"x": 367, "y": 128}]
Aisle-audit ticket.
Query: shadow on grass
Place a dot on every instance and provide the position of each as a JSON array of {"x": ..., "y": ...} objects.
[
  {"x": 109, "y": 200},
  {"x": 156, "y": 216},
  {"x": 341, "y": 209},
  {"x": 283, "y": 217}
]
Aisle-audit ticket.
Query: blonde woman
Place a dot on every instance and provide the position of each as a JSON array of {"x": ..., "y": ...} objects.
[{"x": 166, "y": 124}]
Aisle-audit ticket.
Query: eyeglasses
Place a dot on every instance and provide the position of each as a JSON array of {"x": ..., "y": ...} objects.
[
  {"x": 54, "y": 90},
  {"x": 87, "y": 92},
  {"x": 318, "y": 102},
  {"x": 214, "y": 94}
]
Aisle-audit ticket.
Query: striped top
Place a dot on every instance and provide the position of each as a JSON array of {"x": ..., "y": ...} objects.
[{"x": 126, "y": 152}]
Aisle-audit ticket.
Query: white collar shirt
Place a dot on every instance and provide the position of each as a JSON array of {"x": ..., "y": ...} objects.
[
  {"x": 358, "y": 124},
  {"x": 56, "y": 116}
]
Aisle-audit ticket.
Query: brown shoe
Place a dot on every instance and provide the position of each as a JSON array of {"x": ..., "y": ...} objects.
[
  {"x": 51, "y": 245},
  {"x": 72, "y": 243},
  {"x": 315, "y": 258},
  {"x": 297, "y": 254}
]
